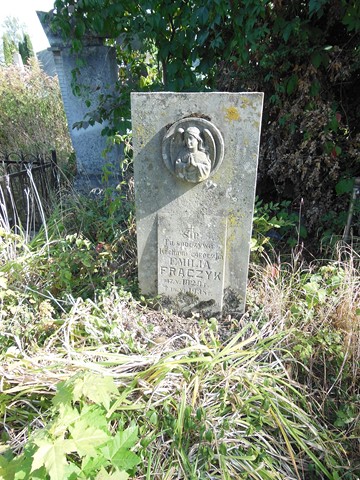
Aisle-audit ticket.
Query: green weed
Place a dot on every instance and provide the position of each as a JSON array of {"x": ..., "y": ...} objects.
[
  {"x": 79, "y": 441},
  {"x": 274, "y": 222},
  {"x": 208, "y": 408}
]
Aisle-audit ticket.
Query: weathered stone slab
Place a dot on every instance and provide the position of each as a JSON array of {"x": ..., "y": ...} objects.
[
  {"x": 195, "y": 170},
  {"x": 98, "y": 78},
  {"x": 191, "y": 257}
]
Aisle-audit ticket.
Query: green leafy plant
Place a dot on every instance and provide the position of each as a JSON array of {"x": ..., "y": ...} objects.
[
  {"x": 32, "y": 117},
  {"x": 334, "y": 222},
  {"x": 303, "y": 55},
  {"x": 319, "y": 302},
  {"x": 274, "y": 222},
  {"x": 228, "y": 409},
  {"x": 80, "y": 441}
]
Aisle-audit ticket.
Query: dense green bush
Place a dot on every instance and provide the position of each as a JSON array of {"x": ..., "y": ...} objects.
[
  {"x": 303, "y": 55},
  {"x": 32, "y": 118},
  {"x": 308, "y": 65}
]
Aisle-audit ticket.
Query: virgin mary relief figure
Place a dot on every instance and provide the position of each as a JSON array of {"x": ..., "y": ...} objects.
[
  {"x": 192, "y": 162},
  {"x": 192, "y": 149}
]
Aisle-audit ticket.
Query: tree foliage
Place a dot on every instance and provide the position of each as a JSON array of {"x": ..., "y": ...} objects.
[
  {"x": 16, "y": 40},
  {"x": 189, "y": 37},
  {"x": 13, "y": 28},
  {"x": 9, "y": 48},
  {"x": 32, "y": 117},
  {"x": 303, "y": 54},
  {"x": 26, "y": 49}
]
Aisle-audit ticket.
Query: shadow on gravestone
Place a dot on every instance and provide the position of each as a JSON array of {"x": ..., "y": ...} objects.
[
  {"x": 98, "y": 76},
  {"x": 195, "y": 166}
]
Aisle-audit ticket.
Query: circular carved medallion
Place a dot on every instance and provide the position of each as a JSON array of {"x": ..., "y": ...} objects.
[{"x": 193, "y": 149}]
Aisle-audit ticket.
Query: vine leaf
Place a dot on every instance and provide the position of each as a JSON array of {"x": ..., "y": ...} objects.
[
  {"x": 104, "y": 475},
  {"x": 52, "y": 455},
  {"x": 125, "y": 459},
  {"x": 118, "y": 453},
  {"x": 87, "y": 439},
  {"x": 95, "y": 388},
  {"x": 63, "y": 394}
]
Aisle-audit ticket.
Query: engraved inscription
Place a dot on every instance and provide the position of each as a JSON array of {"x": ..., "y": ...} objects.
[
  {"x": 193, "y": 149},
  {"x": 191, "y": 261}
]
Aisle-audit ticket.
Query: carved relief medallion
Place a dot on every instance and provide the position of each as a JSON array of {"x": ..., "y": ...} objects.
[{"x": 193, "y": 149}]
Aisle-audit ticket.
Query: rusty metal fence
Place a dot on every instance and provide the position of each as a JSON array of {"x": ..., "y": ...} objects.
[{"x": 26, "y": 183}]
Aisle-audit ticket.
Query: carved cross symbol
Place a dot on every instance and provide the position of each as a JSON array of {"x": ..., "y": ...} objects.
[{"x": 190, "y": 233}]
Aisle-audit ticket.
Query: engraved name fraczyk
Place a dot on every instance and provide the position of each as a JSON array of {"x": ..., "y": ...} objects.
[
  {"x": 190, "y": 264},
  {"x": 192, "y": 149},
  {"x": 191, "y": 268}
]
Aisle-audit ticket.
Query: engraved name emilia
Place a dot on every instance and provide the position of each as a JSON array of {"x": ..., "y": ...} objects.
[{"x": 188, "y": 265}]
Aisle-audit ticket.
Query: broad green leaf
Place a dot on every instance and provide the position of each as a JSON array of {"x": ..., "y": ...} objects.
[
  {"x": 333, "y": 124},
  {"x": 126, "y": 438},
  {"x": 203, "y": 36},
  {"x": 87, "y": 438},
  {"x": 125, "y": 459},
  {"x": 117, "y": 451},
  {"x": 19, "y": 468},
  {"x": 5, "y": 469},
  {"x": 121, "y": 442},
  {"x": 67, "y": 416},
  {"x": 64, "y": 393},
  {"x": 322, "y": 294},
  {"x": 80, "y": 28},
  {"x": 72, "y": 472},
  {"x": 316, "y": 58},
  {"x": 311, "y": 289},
  {"x": 98, "y": 23},
  {"x": 94, "y": 415},
  {"x": 291, "y": 84},
  {"x": 352, "y": 17},
  {"x": 315, "y": 88},
  {"x": 203, "y": 14},
  {"x": 91, "y": 465},
  {"x": 345, "y": 185},
  {"x": 96, "y": 388},
  {"x": 287, "y": 31},
  {"x": 104, "y": 475},
  {"x": 316, "y": 6},
  {"x": 24, "y": 474},
  {"x": 52, "y": 455}
]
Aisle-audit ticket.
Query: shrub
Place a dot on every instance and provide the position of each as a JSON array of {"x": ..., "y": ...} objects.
[
  {"x": 319, "y": 305},
  {"x": 32, "y": 118}
]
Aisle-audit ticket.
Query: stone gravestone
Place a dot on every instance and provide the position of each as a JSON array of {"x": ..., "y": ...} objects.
[
  {"x": 98, "y": 77},
  {"x": 195, "y": 164}
]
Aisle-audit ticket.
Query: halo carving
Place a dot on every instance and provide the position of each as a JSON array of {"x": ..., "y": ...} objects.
[{"x": 193, "y": 149}]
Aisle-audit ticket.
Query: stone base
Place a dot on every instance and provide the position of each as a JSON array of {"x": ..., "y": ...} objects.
[{"x": 93, "y": 184}]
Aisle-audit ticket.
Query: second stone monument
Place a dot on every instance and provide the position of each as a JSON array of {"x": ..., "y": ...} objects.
[{"x": 195, "y": 164}]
